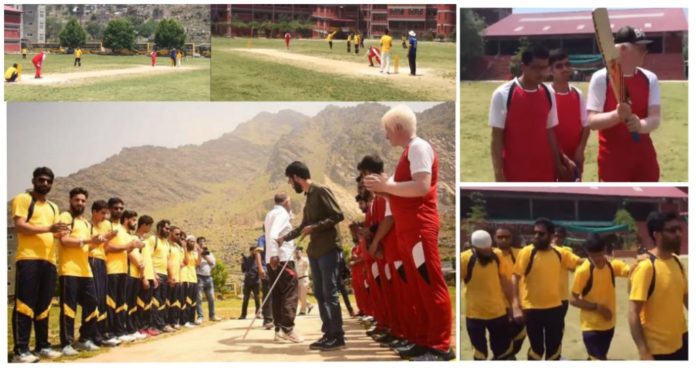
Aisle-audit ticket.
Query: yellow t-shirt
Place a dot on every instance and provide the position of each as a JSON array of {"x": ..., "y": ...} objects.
[
  {"x": 78, "y": 53},
  {"x": 510, "y": 259},
  {"x": 603, "y": 292},
  {"x": 485, "y": 298},
  {"x": 38, "y": 246},
  {"x": 146, "y": 253},
  {"x": 662, "y": 316},
  {"x": 176, "y": 256},
  {"x": 356, "y": 38},
  {"x": 188, "y": 272},
  {"x": 330, "y": 36},
  {"x": 160, "y": 254},
  {"x": 73, "y": 261},
  {"x": 103, "y": 228},
  {"x": 117, "y": 262},
  {"x": 133, "y": 270},
  {"x": 386, "y": 43},
  {"x": 9, "y": 72},
  {"x": 542, "y": 287},
  {"x": 565, "y": 276}
]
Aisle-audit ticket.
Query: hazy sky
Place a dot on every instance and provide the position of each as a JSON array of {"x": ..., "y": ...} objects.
[{"x": 68, "y": 137}]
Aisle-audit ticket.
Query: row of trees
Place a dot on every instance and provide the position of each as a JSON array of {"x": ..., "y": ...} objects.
[
  {"x": 121, "y": 34},
  {"x": 269, "y": 28}
]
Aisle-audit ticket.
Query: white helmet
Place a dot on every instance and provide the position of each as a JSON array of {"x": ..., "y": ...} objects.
[{"x": 481, "y": 239}]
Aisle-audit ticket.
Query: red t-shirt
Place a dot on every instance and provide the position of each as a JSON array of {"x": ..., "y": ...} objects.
[{"x": 570, "y": 121}]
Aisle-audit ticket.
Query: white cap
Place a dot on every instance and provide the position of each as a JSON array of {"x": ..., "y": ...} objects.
[
  {"x": 481, "y": 239},
  {"x": 190, "y": 237},
  {"x": 412, "y": 34}
]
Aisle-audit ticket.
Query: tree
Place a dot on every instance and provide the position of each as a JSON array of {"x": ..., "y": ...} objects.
[
  {"x": 516, "y": 60},
  {"x": 95, "y": 29},
  {"x": 53, "y": 27},
  {"x": 623, "y": 217},
  {"x": 72, "y": 35},
  {"x": 471, "y": 42},
  {"x": 147, "y": 29},
  {"x": 219, "y": 275},
  {"x": 119, "y": 34},
  {"x": 169, "y": 34},
  {"x": 478, "y": 207}
]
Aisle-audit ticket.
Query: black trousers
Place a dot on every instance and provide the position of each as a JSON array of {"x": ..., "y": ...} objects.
[
  {"x": 160, "y": 308},
  {"x": 145, "y": 306},
  {"x": 73, "y": 291},
  {"x": 597, "y": 343},
  {"x": 518, "y": 332},
  {"x": 132, "y": 322},
  {"x": 35, "y": 282},
  {"x": 412, "y": 62},
  {"x": 498, "y": 331},
  {"x": 191, "y": 304},
  {"x": 284, "y": 296},
  {"x": 183, "y": 306},
  {"x": 247, "y": 291},
  {"x": 117, "y": 303},
  {"x": 681, "y": 354},
  {"x": 266, "y": 310},
  {"x": 342, "y": 289},
  {"x": 174, "y": 301},
  {"x": 99, "y": 278},
  {"x": 77, "y": 62},
  {"x": 545, "y": 331}
]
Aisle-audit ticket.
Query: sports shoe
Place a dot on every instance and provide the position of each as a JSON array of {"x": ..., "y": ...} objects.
[
  {"x": 268, "y": 325},
  {"x": 412, "y": 352},
  {"x": 25, "y": 357},
  {"x": 112, "y": 342},
  {"x": 433, "y": 355},
  {"x": 177, "y": 326},
  {"x": 86, "y": 346},
  {"x": 216, "y": 319},
  {"x": 139, "y": 335},
  {"x": 318, "y": 344},
  {"x": 291, "y": 336},
  {"x": 277, "y": 337},
  {"x": 126, "y": 338},
  {"x": 49, "y": 353},
  {"x": 68, "y": 350},
  {"x": 333, "y": 344},
  {"x": 153, "y": 332},
  {"x": 198, "y": 321},
  {"x": 189, "y": 325},
  {"x": 168, "y": 328}
]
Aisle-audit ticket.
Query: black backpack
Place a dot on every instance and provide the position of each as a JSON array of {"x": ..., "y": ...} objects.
[
  {"x": 472, "y": 263},
  {"x": 588, "y": 286},
  {"x": 531, "y": 259},
  {"x": 32, "y": 204},
  {"x": 514, "y": 86},
  {"x": 651, "y": 288}
]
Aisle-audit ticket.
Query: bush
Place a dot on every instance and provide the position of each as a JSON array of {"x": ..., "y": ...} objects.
[
  {"x": 170, "y": 34},
  {"x": 119, "y": 35},
  {"x": 219, "y": 274},
  {"x": 72, "y": 35}
]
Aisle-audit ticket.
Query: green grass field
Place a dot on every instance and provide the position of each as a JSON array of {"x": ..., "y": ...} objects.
[
  {"x": 230, "y": 307},
  {"x": 670, "y": 139},
  {"x": 190, "y": 85},
  {"x": 573, "y": 348},
  {"x": 248, "y": 76}
]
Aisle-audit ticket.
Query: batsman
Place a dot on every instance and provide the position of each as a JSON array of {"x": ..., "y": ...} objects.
[{"x": 626, "y": 152}]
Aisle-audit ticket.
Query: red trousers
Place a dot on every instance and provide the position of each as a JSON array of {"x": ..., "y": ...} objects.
[{"x": 38, "y": 70}]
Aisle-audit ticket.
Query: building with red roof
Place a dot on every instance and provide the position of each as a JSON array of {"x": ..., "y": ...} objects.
[
  {"x": 13, "y": 29},
  {"x": 573, "y": 32},
  {"x": 581, "y": 210}
]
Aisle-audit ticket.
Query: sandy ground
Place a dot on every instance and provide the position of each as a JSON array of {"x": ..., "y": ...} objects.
[
  {"x": 425, "y": 77},
  {"x": 78, "y": 76},
  {"x": 221, "y": 342}
]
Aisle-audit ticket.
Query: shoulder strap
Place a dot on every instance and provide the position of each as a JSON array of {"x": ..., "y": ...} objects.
[
  {"x": 30, "y": 211},
  {"x": 510, "y": 93},
  {"x": 548, "y": 95},
  {"x": 590, "y": 280},
  {"x": 611, "y": 270},
  {"x": 470, "y": 267},
  {"x": 651, "y": 288},
  {"x": 681, "y": 266},
  {"x": 575, "y": 91},
  {"x": 531, "y": 261}
]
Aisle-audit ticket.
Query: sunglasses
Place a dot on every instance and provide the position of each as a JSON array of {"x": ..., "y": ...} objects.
[{"x": 44, "y": 180}]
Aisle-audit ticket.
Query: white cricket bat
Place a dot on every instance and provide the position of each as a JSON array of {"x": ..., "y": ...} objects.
[{"x": 605, "y": 41}]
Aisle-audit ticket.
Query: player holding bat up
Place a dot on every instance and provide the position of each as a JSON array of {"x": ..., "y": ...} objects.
[{"x": 623, "y": 158}]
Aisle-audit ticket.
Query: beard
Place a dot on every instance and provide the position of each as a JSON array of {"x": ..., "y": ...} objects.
[
  {"x": 297, "y": 187},
  {"x": 672, "y": 246},
  {"x": 77, "y": 211},
  {"x": 538, "y": 244},
  {"x": 43, "y": 190},
  {"x": 484, "y": 258}
]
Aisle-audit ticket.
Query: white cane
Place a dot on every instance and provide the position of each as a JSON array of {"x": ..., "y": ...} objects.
[{"x": 268, "y": 295}]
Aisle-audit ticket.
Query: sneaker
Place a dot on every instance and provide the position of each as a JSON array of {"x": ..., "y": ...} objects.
[
  {"x": 386, "y": 338},
  {"x": 25, "y": 357},
  {"x": 189, "y": 325},
  {"x": 318, "y": 344},
  {"x": 413, "y": 352},
  {"x": 216, "y": 319},
  {"x": 49, "y": 353},
  {"x": 198, "y": 321},
  {"x": 433, "y": 355},
  {"x": 333, "y": 344},
  {"x": 112, "y": 342},
  {"x": 268, "y": 325},
  {"x": 177, "y": 326},
  {"x": 278, "y": 336},
  {"x": 68, "y": 350},
  {"x": 168, "y": 328},
  {"x": 139, "y": 336},
  {"x": 86, "y": 346},
  {"x": 292, "y": 336},
  {"x": 242, "y": 317},
  {"x": 126, "y": 338},
  {"x": 152, "y": 332},
  {"x": 302, "y": 314}
]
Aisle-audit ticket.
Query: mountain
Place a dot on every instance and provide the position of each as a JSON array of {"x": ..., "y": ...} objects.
[{"x": 222, "y": 188}]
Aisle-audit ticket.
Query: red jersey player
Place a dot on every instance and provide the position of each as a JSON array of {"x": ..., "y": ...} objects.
[{"x": 620, "y": 158}]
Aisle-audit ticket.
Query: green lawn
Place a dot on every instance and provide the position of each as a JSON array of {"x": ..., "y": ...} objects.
[
  {"x": 240, "y": 76},
  {"x": 670, "y": 139},
  {"x": 573, "y": 348},
  {"x": 189, "y": 85}
]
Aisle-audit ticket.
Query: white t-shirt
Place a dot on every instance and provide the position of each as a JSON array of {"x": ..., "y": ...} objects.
[
  {"x": 277, "y": 223},
  {"x": 497, "y": 113},
  {"x": 597, "y": 93},
  {"x": 420, "y": 156},
  {"x": 583, "y": 111}
]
